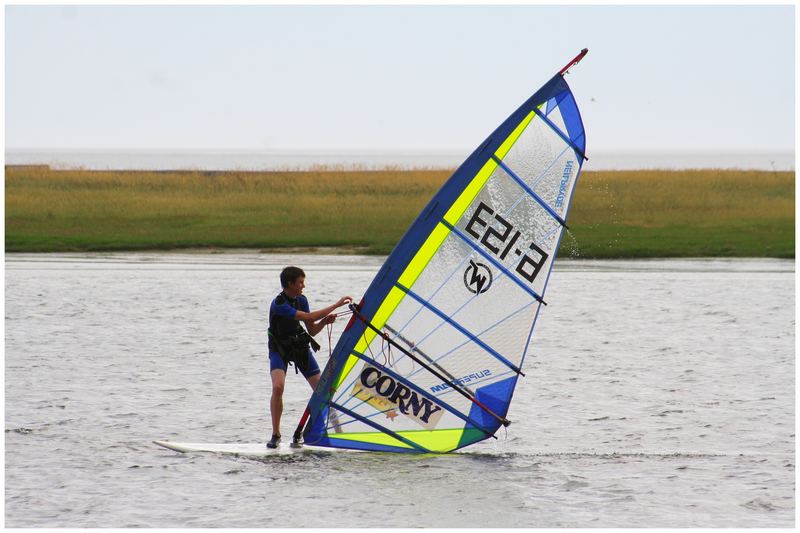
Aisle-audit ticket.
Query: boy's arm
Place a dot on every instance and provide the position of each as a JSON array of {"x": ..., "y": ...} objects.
[
  {"x": 315, "y": 327},
  {"x": 310, "y": 319}
]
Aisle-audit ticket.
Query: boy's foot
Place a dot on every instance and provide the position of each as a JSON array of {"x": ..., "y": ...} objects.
[{"x": 274, "y": 441}]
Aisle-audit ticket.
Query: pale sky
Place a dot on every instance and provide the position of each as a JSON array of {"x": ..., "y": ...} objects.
[{"x": 393, "y": 77}]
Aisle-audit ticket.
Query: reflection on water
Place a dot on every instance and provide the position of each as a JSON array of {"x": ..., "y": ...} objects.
[{"x": 658, "y": 393}]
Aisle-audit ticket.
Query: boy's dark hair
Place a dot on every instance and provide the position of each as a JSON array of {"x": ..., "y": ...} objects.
[{"x": 290, "y": 274}]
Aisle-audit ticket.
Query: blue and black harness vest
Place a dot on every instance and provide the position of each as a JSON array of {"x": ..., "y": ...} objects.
[{"x": 288, "y": 337}]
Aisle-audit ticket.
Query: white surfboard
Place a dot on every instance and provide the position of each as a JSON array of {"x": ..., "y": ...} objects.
[{"x": 253, "y": 449}]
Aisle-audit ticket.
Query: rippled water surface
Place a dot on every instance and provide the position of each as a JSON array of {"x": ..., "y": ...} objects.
[{"x": 659, "y": 393}]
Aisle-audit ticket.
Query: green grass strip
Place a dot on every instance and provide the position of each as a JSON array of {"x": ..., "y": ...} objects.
[{"x": 687, "y": 213}]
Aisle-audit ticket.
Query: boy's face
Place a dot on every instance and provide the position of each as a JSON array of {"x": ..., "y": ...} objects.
[{"x": 296, "y": 287}]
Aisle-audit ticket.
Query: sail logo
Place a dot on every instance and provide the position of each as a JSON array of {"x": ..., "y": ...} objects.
[
  {"x": 562, "y": 189},
  {"x": 387, "y": 395},
  {"x": 477, "y": 277},
  {"x": 475, "y": 376},
  {"x": 494, "y": 239}
]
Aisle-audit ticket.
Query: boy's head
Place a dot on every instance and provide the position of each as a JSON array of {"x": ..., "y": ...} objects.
[{"x": 291, "y": 274}]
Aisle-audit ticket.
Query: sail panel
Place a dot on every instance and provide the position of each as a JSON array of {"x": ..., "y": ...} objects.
[
  {"x": 432, "y": 361},
  {"x": 551, "y": 172},
  {"x": 513, "y": 228},
  {"x": 457, "y": 266}
]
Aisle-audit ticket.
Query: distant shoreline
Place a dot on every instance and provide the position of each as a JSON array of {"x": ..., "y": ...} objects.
[{"x": 348, "y": 160}]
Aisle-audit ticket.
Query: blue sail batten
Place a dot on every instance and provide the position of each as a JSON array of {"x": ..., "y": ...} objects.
[
  {"x": 530, "y": 192},
  {"x": 459, "y": 327},
  {"x": 560, "y": 133},
  {"x": 379, "y": 427},
  {"x": 419, "y": 390},
  {"x": 494, "y": 262}
]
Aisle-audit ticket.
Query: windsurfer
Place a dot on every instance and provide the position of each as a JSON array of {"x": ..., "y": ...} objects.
[{"x": 290, "y": 343}]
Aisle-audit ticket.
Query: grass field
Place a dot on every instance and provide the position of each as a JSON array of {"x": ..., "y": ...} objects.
[{"x": 697, "y": 213}]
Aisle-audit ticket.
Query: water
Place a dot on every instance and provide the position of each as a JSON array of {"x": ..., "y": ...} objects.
[
  {"x": 659, "y": 393},
  {"x": 349, "y": 159}
]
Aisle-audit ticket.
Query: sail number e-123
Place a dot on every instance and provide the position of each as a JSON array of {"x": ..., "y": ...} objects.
[{"x": 498, "y": 242}]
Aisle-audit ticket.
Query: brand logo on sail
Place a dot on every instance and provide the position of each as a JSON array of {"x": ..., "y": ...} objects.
[
  {"x": 477, "y": 277},
  {"x": 386, "y": 394},
  {"x": 475, "y": 376},
  {"x": 562, "y": 189}
]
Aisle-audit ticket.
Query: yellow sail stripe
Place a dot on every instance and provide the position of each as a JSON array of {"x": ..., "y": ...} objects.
[
  {"x": 373, "y": 438},
  {"x": 424, "y": 255},
  {"x": 348, "y": 366},
  {"x": 407, "y": 279},
  {"x": 464, "y": 200},
  {"x": 381, "y": 316},
  {"x": 509, "y": 142},
  {"x": 438, "y": 440}
]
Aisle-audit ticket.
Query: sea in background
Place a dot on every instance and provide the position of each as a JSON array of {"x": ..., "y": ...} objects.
[
  {"x": 659, "y": 393},
  {"x": 349, "y": 159}
]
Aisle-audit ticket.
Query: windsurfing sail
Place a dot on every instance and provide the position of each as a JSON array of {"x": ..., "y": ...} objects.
[{"x": 432, "y": 354}]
